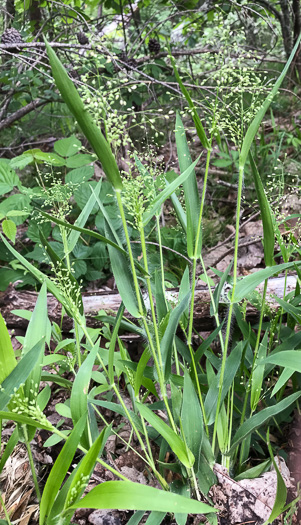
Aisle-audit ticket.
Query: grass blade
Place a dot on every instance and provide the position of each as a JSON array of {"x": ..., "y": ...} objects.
[
  {"x": 266, "y": 216},
  {"x": 7, "y": 354},
  {"x": 167, "y": 192},
  {"x": 190, "y": 187},
  {"x": 175, "y": 442},
  {"x": 196, "y": 119},
  {"x": 133, "y": 496},
  {"x": 84, "y": 119},
  {"x": 254, "y": 126},
  {"x": 60, "y": 469},
  {"x": 262, "y": 417}
]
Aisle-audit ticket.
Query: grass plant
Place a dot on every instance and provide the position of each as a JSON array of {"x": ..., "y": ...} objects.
[{"x": 220, "y": 407}]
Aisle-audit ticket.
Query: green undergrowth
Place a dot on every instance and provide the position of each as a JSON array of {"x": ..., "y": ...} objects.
[{"x": 187, "y": 401}]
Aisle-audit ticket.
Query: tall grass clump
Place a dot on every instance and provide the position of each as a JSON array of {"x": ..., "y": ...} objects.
[{"x": 209, "y": 404}]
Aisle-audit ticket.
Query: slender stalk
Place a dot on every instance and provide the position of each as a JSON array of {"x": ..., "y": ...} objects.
[
  {"x": 5, "y": 511},
  {"x": 158, "y": 360},
  {"x": 31, "y": 463},
  {"x": 228, "y": 328}
]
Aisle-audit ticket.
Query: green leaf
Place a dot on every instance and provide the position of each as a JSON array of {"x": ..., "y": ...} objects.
[
  {"x": 191, "y": 411},
  {"x": 266, "y": 216},
  {"x": 254, "y": 126},
  {"x": 82, "y": 159},
  {"x": 196, "y": 119},
  {"x": 82, "y": 218},
  {"x": 166, "y": 193},
  {"x": 68, "y": 146},
  {"x": 25, "y": 420},
  {"x": 80, "y": 390},
  {"x": 59, "y": 266},
  {"x": 60, "y": 469},
  {"x": 19, "y": 374},
  {"x": 190, "y": 187},
  {"x": 249, "y": 283},
  {"x": 262, "y": 417},
  {"x": 124, "y": 278},
  {"x": 8, "y": 178},
  {"x": 80, "y": 175},
  {"x": 170, "y": 332},
  {"x": 175, "y": 442},
  {"x": 134, "y": 496},
  {"x": 39, "y": 276},
  {"x": 113, "y": 343},
  {"x": 287, "y": 359},
  {"x": 85, "y": 121},
  {"x": 36, "y": 333},
  {"x": 7, "y": 354},
  {"x": 281, "y": 492},
  {"x": 258, "y": 373},
  {"x": 85, "y": 470},
  {"x": 50, "y": 158}
]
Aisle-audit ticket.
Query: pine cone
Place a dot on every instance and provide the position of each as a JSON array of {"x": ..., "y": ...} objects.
[
  {"x": 82, "y": 38},
  {"x": 12, "y": 36},
  {"x": 154, "y": 46}
]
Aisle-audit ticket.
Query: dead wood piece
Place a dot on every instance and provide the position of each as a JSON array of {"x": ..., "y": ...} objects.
[{"x": 13, "y": 299}]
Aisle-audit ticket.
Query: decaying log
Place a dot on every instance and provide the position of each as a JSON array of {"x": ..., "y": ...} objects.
[{"x": 13, "y": 299}]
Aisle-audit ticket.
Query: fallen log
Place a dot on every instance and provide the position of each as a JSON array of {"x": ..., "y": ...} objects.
[{"x": 13, "y": 299}]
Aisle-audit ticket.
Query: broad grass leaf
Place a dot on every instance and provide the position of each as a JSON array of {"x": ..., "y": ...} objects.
[
  {"x": 256, "y": 421},
  {"x": 266, "y": 216},
  {"x": 288, "y": 359},
  {"x": 84, "y": 119},
  {"x": 281, "y": 491},
  {"x": 231, "y": 367},
  {"x": 80, "y": 391},
  {"x": 85, "y": 469},
  {"x": 20, "y": 373},
  {"x": 222, "y": 429},
  {"x": 170, "y": 332},
  {"x": 83, "y": 217},
  {"x": 254, "y": 472},
  {"x": 161, "y": 308},
  {"x": 13, "y": 440},
  {"x": 196, "y": 119},
  {"x": 60, "y": 469},
  {"x": 136, "y": 518},
  {"x": 166, "y": 193},
  {"x": 138, "y": 380},
  {"x": 134, "y": 496},
  {"x": 180, "y": 213},
  {"x": 282, "y": 380},
  {"x": 24, "y": 420},
  {"x": 192, "y": 198},
  {"x": 254, "y": 126},
  {"x": 124, "y": 279},
  {"x": 91, "y": 233},
  {"x": 175, "y": 442},
  {"x": 155, "y": 518},
  {"x": 36, "y": 333},
  {"x": 258, "y": 373},
  {"x": 183, "y": 290},
  {"x": 293, "y": 311},
  {"x": 191, "y": 418},
  {"x": 247, "y": 284},
  {"x": 7, "y": 354}
]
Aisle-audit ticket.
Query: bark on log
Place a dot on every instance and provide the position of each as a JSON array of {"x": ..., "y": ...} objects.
[{"x": 13, "y": 299}]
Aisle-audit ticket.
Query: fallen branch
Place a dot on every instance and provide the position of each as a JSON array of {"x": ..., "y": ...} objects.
[{"x": 13, "y": 299}]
